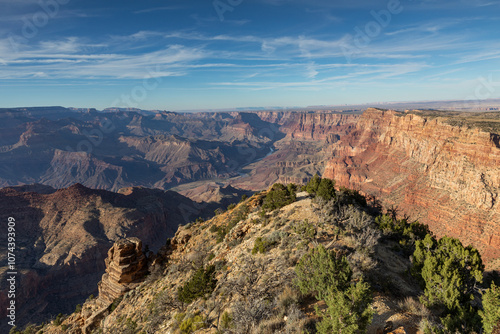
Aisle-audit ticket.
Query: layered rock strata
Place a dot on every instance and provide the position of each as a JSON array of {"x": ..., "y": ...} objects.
[
  {"x": 445, "y": 176},
  {"x": 126, "y": 267}
]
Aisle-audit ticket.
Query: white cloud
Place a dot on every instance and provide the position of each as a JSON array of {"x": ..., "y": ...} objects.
[
  {"x": 65, "y": 59},
  {"x": 156, "y": 9}
]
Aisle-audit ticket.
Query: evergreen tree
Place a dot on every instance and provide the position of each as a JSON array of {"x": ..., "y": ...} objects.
[
  {"x": 320, "y": 270},
  {"x": 201, "y": 283},
  {"x": 326, "y": 189},
  {"x": 449, "y": 273},
  {"x": 313, "y": 184},
  {"x": 348, "y": 312},
  {"x": 490, "y": 314},
  {"x": 278, "y": 197}
]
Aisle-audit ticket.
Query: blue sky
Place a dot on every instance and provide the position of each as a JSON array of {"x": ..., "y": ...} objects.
[{"x": 178, "y": 55}]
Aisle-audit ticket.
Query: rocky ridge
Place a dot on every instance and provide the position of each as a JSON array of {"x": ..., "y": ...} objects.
[{"x": 246, "y": 278}]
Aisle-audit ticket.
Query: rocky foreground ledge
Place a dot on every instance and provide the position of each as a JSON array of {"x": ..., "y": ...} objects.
[{"x": 126, "y": 269}]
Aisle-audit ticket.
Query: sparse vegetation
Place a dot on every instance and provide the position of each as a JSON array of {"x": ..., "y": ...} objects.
[
  {"x": 201, "y": 283},
  {"x": 59, "y": 319},
  {"x": 115, "y": 303},
  {"x": 262, "y": 245},
  {"x": 238, "y": 215},
  {"x": 327, "y": 258},
  {"x": 190, "y": 323},
  {"x": 226, "y": 321},
  {"x": 305, "y": 230}
]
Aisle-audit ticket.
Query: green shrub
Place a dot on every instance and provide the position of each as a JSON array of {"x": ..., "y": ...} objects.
[
  {"x": 320, "y": 270},
  {"x": 490, "y": 314},
  {"x": 231, "y": 206},
  {"x": 292, "y": 187},
  {"x": 191, "y": 324},
  {"x": 348, "y": 311},
  {"x": 201, "y": 283},
  {"x": 115, "y": 304},
  {"x": 226, "y": 320},
  {"x": 262, "y": 245},
  {"x": 59, "y": 319},
  {"x": 351, "y": 196},
  {"x": 278, "y": 197},
  {"x": 326, "y": 189},
  {"x": 405, "y": 233},
  {"x": 78, "y": 308},
  {"x": 131, "y": 325},
  {"x": 449, "y": 274},
  {"x": 313, "y": 184},
  {"x": 305, "y": 230}
]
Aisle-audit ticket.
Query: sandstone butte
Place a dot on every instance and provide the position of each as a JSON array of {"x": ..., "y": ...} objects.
[{"x": 442, "y": 175}]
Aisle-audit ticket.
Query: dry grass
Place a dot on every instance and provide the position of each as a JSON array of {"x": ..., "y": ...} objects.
[{"x": 413, "y": 306}]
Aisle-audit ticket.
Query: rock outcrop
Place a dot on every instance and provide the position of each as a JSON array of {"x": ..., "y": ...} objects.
[
  {"x": 445, "y": 176},
  {"x": 126, "y": 267},
  {"x": 63, "y": 238}
]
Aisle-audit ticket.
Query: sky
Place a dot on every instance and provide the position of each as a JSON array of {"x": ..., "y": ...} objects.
[{"x": 206, "y": 54}]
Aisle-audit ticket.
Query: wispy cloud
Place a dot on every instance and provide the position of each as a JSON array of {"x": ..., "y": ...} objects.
[
  {"x": 66, "y": 59},
  {"x": 157, "y": 9}
]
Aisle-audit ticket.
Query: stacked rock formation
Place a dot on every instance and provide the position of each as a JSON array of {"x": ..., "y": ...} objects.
[{"x": 126, "y": 267}]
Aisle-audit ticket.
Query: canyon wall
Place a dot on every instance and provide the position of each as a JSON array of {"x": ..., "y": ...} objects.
[
  {"x": 63, "y": 237},
  {"x": 445, "y": 176},
  {"x": 310, "y": 125}
]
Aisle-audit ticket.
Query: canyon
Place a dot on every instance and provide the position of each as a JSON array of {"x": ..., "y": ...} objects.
[
  {"x": 63, "y": 237},
  {"x": 440, "y": 168}
]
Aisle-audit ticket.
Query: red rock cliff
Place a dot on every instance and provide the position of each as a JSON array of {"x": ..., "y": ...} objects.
[
  {"x": 446, "y": 176},
  {"x": 310, "y": 126}
]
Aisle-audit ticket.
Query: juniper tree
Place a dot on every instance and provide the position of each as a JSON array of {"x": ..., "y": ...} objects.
[
  {"x": 490, "y": 314},
  {"x": 278, "y": 197},
  {"x": 320, "y": 270},
  {"x": 449, "y": 274},
  {"x": 326, "y": 189},
  {"x": 313, "y": 184},
  {"x": 348, "y": 312}
]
